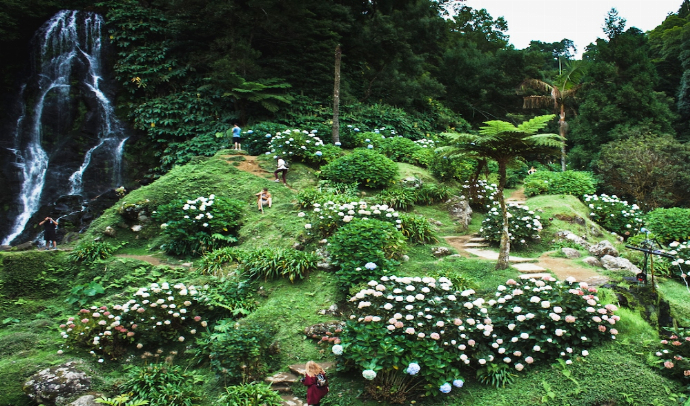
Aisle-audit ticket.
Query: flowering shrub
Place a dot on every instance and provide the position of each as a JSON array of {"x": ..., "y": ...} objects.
[
  {"x": 156, "y": 314},
  {"x": 202, "y": 224},
  {"x": 421, "y": 327},
  {"x": 326, "y": 218},
  {"x": 670, "y": 224},
  {"x": 615, "y": 214},
  {"x": 301, "y": 145},
  {"x": 365, "y": 167},
  {"x": 541, "y": 320},
  {"x": 481, "y": 194},
  {"x": 364, "y": 241},
  {"x": 97, "y": 328},
  {"x": 674, "y": 354},
  {"x": 681, "y": 263},
  {"x": 523, "y": 224}
]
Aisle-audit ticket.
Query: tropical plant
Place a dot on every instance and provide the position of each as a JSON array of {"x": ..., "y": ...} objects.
[
  {"x": 250, "y": 394},
  {"x": 163, "y": 385},
  {"x": 504, "y": 142},
  {"x": 417, "y": 229},
  {"x": 270, "y": 263},
  {"x": 83, "y": 293},
  {"x": 561, "y": 91},
  {"x": 120, "y": 400},
  {"x": 90, "y": 251}
]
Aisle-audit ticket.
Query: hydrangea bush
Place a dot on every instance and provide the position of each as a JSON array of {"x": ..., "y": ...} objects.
[
  {"x": 328, "y": 217},
  {"x": 301, "y": 145},
  {"x": 418, "y": 326},
  {"x": 156, "y": 314},
  {"x": 681, "y": 252},
  {"x": 674, "y": 354},
  {"x": 523, "y": 224},
  {"x": 544, "y": 319},
  {"x": 481, "y": 195},
  {"x": 614, "y": 214},
  {"x": 364, "y": 167},
  {"x": 199, "y": 225}
]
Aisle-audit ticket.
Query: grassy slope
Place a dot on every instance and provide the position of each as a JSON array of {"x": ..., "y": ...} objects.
[{"x": 608, "y": 373}]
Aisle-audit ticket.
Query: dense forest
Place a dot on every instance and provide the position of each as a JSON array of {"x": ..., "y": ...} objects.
[{"x": 186, "y": 70}]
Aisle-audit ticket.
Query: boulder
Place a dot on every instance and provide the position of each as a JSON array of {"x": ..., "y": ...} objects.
[
  {"x": 329, "y": 328},
  {"x": 603, "y": 248},
  {"x": 569, "y": 236},
  {"x": 136, "y": 228},
  {"x": 405, "y": 258},
  {"x": 86, "y": 400},
  {"x": 592, "y": 261},
  {"x": 440, "y": 251},
  {"x": 571, "y": 252},
  {"x": 109, "y": 231},
  {"x": 618, "y": 264},
  {"x": 332, "y": 310},
  {"x": 54, "y": 385},
  {"x": 460, "y": 211}
]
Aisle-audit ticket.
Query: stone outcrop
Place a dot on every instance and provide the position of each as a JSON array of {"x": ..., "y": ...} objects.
[
  {"x": 460, "y": 211},
  {"x": 440, "y": 252},
  {"x": 618, "y": 264},
  {"x": 52, "y": 386},
  {"x": 571, "y": 252},
  {"x": 566, "y": 235},
  {"x": 592, "y": 261},
  {"x": 602, "y": 249}
]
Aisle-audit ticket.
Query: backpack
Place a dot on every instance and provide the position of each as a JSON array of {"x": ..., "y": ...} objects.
[{"x": 321, "y": 381}]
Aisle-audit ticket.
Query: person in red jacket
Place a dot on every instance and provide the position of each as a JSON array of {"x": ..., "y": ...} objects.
[{"x": 314, "y": 392}]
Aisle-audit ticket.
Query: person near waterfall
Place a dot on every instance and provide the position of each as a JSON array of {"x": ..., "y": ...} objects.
[
  {"x": 49, "y": 227},
  {"x": 236, "y": 137}
]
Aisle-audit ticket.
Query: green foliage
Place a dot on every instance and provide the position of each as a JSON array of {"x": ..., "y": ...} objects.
[
  {"x": 366, "y": 168},
  {"x": 92, "y": 329},
  {"x": 399, "y": 149},
  {"x": 301, "y": 145},
  {"x": 238, "y": 351},
  {"x": 90, "y": 251},
  {"x": 270, "y": 263},
  {"x": 669, "y": 224},
  {"x": 673, "y": 356},
  {"x": 363, "y": 241},
  {"x": 445, "y": 167},
  {"x": 399, "y": 198},
  {"x": 560, "y": 183},
  {"x": 199, "y": 225},
  {"x": 234, "y": 295},
  {"x": 496, "y": 375},
  {"x": 523, "y": 225},
  {"x": 417, "y": 229},
  {"x": 212, "y": 262},
  {"x": 83, "y": 293},
  {"x": 251, "y": 394},
  {"x": 329, "y": 217},
  {"x": 120, "y": 400},
  {"x": 163, "y": 385},
  {"x": 33, "y": 274},
  {"x": 327, "y": 191},
  {"x": 431, "y": 193},
  {"x": 615, "y": 214}
]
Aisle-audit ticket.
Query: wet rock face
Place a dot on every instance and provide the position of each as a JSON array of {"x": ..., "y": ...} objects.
[
  {"x": 53, "y": 386},
  {"x": 460, "y": 211}
]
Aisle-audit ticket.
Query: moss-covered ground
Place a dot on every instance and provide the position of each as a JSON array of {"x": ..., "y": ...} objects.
[{"x": 615, "y": 374}]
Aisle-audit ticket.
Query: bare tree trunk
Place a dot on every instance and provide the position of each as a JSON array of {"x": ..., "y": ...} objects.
[
  {"x": 563, "y": 127},
  {"x": 336, "y": 97},
  {"x": 504, "y": 248}
]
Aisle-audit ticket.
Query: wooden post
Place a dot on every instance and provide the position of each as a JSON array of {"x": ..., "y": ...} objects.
[{"x": 336, "y": 97}]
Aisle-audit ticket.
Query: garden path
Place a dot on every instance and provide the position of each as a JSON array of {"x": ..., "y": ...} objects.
[
  {"x": 251, "y": 165},
  {"x": 282, "y": 381},
  {"x": 545, "y": 265}
]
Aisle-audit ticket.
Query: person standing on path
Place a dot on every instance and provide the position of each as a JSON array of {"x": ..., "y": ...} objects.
[
  {"x": 49, "y": 227},
  {"x": 236, "y": 137},
  {"x": 282, "y": 167},
  {"x": 312, "y": 374}
]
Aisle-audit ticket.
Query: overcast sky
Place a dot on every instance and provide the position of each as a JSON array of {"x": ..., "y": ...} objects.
[{"x": 577, "y": 20}]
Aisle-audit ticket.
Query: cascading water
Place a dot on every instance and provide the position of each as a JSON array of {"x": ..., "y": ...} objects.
[{"x": 68, "y": 66}]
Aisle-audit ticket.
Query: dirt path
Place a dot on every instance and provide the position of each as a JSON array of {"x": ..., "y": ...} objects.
[
  {"x": 564, "y": 268},
  {"x": 249, "y": 164}
]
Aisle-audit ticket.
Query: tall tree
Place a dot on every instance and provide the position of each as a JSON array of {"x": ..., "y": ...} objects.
[
  {"x": 562, "y": 92},
  {"x": 504, "y": 142}
]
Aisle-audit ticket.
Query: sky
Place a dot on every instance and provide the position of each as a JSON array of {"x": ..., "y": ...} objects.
[{"x": 578, "y": 20}]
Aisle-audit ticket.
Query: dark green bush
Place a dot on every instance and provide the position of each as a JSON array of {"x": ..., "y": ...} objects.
[
  {"x": 163, "y": 385},
  {"x": 250, "y": 394},
  {"x": 90, "y": 251},
  {"x": 212, "y": 262},
  {"x": 229, "y": 294},
  {"x": 399, "y": 198},
  {"x": 446, "y": 168},
  {"x": 363, "y": 241},
  {"x": 417, "y": 229},
  {"x": 34, "y": 274},
  {"x": 574, "y": 183},
  {"x": 239, "y": 352},
  {"x": 269, "y": 263},
  {"x": 366, "y": 168},
  {"x": 670, "y": 224},
  {"x": 399, "y": 149},
  {"x": 431, "y": 193}
]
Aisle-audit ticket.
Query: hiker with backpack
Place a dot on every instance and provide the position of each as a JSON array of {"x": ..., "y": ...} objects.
[{"x": 316, "y": 382}]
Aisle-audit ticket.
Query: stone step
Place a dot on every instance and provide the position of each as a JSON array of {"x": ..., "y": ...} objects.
[
  {"x": 282, "y": 388},
  {"x": 282, "y": 378},
  {"x": 475, "y": 245},
  {"x": 486, "y": 254},
  {"x": 535, "y": 275},
  {"x": 528, "y": 268},
  {"x": 292, "y": 400},
  {"x": 477, "y": 239}
]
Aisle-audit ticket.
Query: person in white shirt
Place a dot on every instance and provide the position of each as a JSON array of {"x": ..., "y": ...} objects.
[{"x": 282, "y": 167}]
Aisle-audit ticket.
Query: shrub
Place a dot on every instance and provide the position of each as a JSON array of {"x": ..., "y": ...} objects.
[
  {"x": 301, "y": 145},
  {"x": 420, "y": 327},
  {"x": 430, "y": 193},
  {"x": 615, "y": 214},
  {"x": 233, "y": 295},
  {"x": 399, "y": 198},
  {"x": 366, "y": 168},
  {"x": 94, "y": 328},
  {"x": 163, "y": 385},
  {"x": 417, "y": 229},
  {"x": 445, "y": 168},
  {"x": 542, "y": 320},
  {"x": 269, "y": 263},
  {"x": 398, "y": 149},
  {"x": 237, "y": 351},
  {"x": 673, "y": 356},
  {"x": 681, "y": 263},
  {"x": 90, "y": 251},
  {"x": 574, "y": 183},
  {"x": 212, "y": 262},
  {"x": 481, "y": 195},
  {"x": 330, "y": 216},
  {"x": 670, "y": 224},
  {"x": 523, "y": 225},
  {"x": 327, "y": 191},
  {"x": 250, "y": 394},
  {"x": 199, "y": 225}
]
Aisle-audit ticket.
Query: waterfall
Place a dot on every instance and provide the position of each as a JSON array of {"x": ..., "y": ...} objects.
[{"x": 68, "y": 61}]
